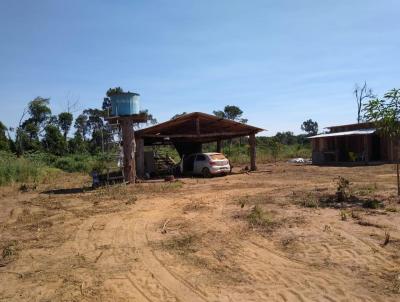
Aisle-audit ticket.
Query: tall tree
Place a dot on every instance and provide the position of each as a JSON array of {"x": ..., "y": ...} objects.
[
  {"x": 234, "y": 113},
  {"x": 276, "y": 147},
  {"x": 385, "y": 113},
  {"x": 95, "y": 118},
  {"x": 230, "y": 112},
  {"x": 285, "y": 138},
  {"x": 65, "y": 121},
  {"x": 362, "y": 93},
  {"x": 81, "y": 125},
  {"x": 29, "y": 130},
  {"x": 113, "y": 91},
  {"x": 53, "y": 141},
  {"x": 110, "y": 92},
  {"x": 310, "y": 127},
  {"x": 77, "y": 144},
  {"x": 4, "y": 142},
  {"x": 150, "y": 118}
]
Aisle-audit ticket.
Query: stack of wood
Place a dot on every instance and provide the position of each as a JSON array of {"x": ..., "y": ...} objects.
[{"x": 164, "y": 164}]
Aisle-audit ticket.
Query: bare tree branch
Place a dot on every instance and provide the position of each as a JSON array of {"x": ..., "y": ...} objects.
[{"x": 361, "y": 94}]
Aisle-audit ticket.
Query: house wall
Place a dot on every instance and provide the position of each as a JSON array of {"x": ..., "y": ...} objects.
[
  {"x": 389, "y": 149},
  {"x": 337, "y": 149}
]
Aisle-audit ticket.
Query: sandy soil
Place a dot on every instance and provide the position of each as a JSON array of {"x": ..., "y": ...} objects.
[{"x": 268, "y": 236}]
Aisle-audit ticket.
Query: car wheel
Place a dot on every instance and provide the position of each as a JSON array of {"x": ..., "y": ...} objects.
[{"x": 206, "y": 173}]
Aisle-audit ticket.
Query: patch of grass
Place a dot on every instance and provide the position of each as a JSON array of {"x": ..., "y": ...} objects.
[
  {"x": 182, "y": 245},
  {"x": 366, "y": 190},
  {"x": 238, "y": 154},
  {"x": 343, "y": 215},
  {"x": 9, "y": 252},
  {"x": 306, "y": 199},
  {"x": 23, "y": 170},
  {"x": 73, "y": 162},
  {"x": 342, "y": 189},
  {"x": 258, "y": 218},
  {"x": 158, "y": 187},
  {"x": 392, "y": 209},
  {"x": 257, "y": 199},
  {"x": 115, "y": 192},
  {"x": 131, "y": 200},
  {"x": 193, "y": 206}
]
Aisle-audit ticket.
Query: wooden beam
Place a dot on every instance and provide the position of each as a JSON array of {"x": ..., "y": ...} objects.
[
  {"x": 139, "y": 156},
  {"x": 366, "y": 148},
  {"x": 135, "y": 118},
  {"x": 215, "y": 134},
  {"x": 252, "y": 142},
  {"x": 336, "y": 143}
]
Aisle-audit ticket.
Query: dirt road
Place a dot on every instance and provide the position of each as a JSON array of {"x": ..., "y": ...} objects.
[{"x": 237, "y": 238}]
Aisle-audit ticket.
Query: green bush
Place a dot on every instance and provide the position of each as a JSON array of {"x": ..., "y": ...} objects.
[
  {"x": 82, "y": 163},
  {"x": 13, "y": 169},
  {"x": 73, "y": 162},
  {"x": 240, "y": 154}
]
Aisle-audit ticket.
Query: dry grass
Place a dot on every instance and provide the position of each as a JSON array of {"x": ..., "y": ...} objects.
[
  {"x": 9, "y": 252},
  {"x": 306, "y": 199},
  {"x": 261, "y": 220},
  {"x": 234, "y": 238},
  {"x": 387, "y": 239}
]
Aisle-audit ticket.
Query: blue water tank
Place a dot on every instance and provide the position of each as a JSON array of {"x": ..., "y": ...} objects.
[{"x": 126, "y": 103}]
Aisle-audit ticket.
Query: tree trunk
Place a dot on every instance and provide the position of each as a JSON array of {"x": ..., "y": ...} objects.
[
  {"x": 398, "y": 179},
  {"x": 128, "y": 138}
]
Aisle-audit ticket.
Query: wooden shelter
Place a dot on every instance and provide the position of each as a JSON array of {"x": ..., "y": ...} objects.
[
  {"x": 353, "y": 143},
  {"x": 189, "y": 131}
]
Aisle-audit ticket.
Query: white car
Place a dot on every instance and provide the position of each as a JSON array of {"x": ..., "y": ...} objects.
[{"x": 206, "y": 164}]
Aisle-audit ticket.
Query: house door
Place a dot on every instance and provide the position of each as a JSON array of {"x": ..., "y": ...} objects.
[{"x": 376, "y": 148}]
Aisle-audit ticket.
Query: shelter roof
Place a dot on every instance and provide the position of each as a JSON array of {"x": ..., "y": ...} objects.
[{"x": 196, "y": 127}]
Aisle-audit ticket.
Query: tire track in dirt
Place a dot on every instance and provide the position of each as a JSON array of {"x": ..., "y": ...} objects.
[
  {"x": 292, "y": 281},
  {"x": 147, "y": 279},
  {"x": 182, "y": 290}
]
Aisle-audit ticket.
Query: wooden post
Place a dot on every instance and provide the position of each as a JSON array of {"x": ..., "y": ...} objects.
[
  {"x": 336, "y": 148},
  {"x": 128, "y": 138},
  {"x": 139, "y": 157},
  {"x": 219, "y": 146},
  {"x": 252, "y": 142},
  {"x": 366, "y": 149}
]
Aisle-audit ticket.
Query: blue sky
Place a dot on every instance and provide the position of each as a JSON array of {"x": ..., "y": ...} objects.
[{"x": 280, "y": 61}]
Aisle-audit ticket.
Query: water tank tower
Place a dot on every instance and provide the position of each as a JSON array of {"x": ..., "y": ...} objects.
[
  {"x": 125, "y": 111},
  {"x": 125, "y": 104}
]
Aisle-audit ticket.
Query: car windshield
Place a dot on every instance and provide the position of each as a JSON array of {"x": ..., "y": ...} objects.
[{"x": 217, "y": 157}]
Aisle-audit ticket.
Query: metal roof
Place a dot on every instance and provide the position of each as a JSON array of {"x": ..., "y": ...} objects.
[
  {"x": 346, "y": 133},
  {"x": 352, "y": 125}
]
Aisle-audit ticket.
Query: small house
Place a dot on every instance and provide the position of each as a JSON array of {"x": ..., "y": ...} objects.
[{"x": 353, "y": 143}]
